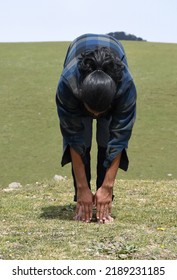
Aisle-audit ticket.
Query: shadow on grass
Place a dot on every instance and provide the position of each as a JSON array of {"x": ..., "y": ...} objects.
[{"x": 61, "y": 212}]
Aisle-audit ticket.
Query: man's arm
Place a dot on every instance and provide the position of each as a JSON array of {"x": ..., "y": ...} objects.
[
  {"x": 123, "y": 118},
  {"x": 84, "y": 194},
  {"x": 120, "y": 132},
  {"x": 103, "y": 195}
]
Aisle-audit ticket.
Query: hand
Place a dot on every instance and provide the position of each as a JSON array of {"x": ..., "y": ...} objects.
[
  {"x": 84, "y": 204},
  {"x": 103, "y": 201}
]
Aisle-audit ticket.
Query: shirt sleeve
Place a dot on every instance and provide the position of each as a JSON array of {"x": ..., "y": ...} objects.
[
  {"x": 70, "y": 116},
  {"x": 123, "y": 118}
]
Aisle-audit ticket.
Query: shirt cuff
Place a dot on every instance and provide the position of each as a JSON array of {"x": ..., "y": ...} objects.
[{"x": 124, "y": 161}]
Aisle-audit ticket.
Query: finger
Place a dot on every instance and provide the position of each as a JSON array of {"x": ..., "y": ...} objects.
[
  {"x": 104, "y": 211},
  {"x": 98, "y": 211},
  {"x": 90, "y": 211},
  {"x": 86, "y": 214},
  {"x": 82, "y": 213},
  {"x": 101, "y": 214}
]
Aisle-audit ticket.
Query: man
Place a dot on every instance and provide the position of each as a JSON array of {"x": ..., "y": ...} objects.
[{"x": 95, "y": 84}]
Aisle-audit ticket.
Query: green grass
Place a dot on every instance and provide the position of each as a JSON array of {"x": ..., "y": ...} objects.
[
  {"x": 36, "y": 222},
  {"x": 30, "y": 141},
  {"x": 153, "y": 146}
]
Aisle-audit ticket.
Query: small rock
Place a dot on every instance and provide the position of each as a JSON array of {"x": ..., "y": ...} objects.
[
  {"x": 58, "y": 178},
  {"x": 14, "y": 185}
]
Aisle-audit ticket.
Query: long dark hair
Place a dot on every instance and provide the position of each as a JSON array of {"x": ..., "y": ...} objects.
[{"x": 101, "y": 72}]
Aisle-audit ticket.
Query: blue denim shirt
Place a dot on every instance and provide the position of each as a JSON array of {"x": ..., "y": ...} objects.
[{"x": 71, "y": 110}]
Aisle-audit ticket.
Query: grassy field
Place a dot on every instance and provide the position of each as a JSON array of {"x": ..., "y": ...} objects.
[
  {"x": 30, "y": 141},
  {"x": 36, "y": 219},
  {"x": 30, "y": 144},
  {"x": 37, "y": 223}
]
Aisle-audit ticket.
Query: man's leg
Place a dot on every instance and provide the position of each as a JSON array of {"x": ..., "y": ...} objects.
[
  {"x": 101, "y": 170},
  {"x": 102, "y": 137}
]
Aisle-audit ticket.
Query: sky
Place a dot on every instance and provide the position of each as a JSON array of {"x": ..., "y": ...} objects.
[{"x": 64, "y": 20}]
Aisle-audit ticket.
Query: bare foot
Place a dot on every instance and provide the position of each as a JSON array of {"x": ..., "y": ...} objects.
[
  {"x": 79, "y": 216},
  {"x": 109, "y": 219}
]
